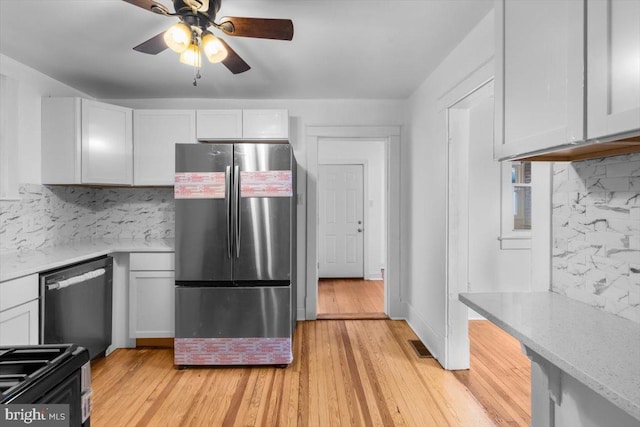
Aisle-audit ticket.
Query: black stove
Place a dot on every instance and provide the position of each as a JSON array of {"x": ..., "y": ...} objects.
[{"x": 47, "y": 374}]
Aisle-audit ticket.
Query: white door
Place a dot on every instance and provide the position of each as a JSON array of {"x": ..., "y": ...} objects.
[{"x": 341, "y": 221}]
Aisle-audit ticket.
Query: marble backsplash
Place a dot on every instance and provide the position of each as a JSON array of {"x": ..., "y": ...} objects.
[
  {"x": 49, "y": 215},
  {"x": 596, "y": 233}
]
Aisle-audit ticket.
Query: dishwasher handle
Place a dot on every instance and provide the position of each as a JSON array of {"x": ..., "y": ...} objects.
[{"x": 76, "y": 279}]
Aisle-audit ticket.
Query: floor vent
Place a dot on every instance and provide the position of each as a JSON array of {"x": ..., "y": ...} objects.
[{"x": 421, "y": 349}]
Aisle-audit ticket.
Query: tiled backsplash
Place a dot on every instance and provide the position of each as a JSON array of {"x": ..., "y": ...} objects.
[
  {"x": 596, "y": 233},
  {"x": 47, "y": 215}
]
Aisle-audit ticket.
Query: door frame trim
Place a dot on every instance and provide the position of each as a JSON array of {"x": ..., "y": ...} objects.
[
  {"x": 365, "y": 211},
  {"x": 391, "y": 136}
]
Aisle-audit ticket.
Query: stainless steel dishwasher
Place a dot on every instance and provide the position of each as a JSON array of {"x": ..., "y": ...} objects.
[{"x": 76, "y": 305}]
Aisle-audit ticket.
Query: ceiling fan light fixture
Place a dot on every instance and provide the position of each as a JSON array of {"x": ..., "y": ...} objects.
[
  {"x": 178, "y": 37},
  {"x": 192, "y": 56},
  {"x": 213, "y": 48}
]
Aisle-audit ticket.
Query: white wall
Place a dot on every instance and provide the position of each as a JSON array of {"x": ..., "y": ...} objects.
[
  {"x": 490, "y": 268},
  {"x": 373, "y": 152},
  {"x": 424, "y": 160}
]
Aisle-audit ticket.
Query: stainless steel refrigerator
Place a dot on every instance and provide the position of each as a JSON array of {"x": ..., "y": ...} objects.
[{"x": 235, "y": 254}]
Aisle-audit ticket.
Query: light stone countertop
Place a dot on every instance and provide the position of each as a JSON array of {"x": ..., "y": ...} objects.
[
  {"x": 597, "y": 348},
  {"x": 18, "y": 264}
]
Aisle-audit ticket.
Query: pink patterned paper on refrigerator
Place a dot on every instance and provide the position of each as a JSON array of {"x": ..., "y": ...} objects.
[
  {"x": 199, "y": 185},
  {"x": 266, "y": 184}
]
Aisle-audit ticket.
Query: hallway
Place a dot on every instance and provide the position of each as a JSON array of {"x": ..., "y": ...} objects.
[{"x": 351, "y": 299}]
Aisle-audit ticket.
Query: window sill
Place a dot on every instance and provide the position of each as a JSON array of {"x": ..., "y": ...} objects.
[{"x": 515, "y": 242}]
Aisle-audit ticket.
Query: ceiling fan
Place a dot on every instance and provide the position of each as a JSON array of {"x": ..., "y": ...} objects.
[{"x": 191, "y": 36}]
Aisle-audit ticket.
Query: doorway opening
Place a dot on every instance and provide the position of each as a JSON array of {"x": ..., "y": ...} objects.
[{"x": 351, "y": 228}]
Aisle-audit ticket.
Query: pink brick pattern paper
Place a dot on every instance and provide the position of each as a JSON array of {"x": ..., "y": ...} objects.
[
  {"x": 266, "y": 184},
  {"x": 232, "y": 351},
  {"x": 199, "y": 185}
]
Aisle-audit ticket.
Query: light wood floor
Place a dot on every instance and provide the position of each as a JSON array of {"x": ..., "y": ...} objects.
[
  {"x": 500, "y": 374},
  {"x": 350, "y": 299},
  {"x": 356, "y": 372}
]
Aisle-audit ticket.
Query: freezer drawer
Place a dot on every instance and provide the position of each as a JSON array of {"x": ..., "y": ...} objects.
[
  {"x": 233, "y": 326},
  {"x": 234, "y": 312}
]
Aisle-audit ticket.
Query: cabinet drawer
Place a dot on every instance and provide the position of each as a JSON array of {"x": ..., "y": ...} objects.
[
  {"x": 18, "y": 291},
  {"x": 152, "y": 261}
]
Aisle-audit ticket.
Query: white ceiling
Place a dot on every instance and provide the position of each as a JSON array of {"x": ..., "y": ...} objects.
[{"x": 341, "y": 49}]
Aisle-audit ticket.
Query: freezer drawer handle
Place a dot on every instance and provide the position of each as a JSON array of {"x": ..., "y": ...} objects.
[{"x": 76, "y": 279}]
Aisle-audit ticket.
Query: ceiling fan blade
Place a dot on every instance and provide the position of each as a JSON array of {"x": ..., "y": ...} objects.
[
  {"x": 233, "y": 62},
  {"x": 150, "y": 5},
  {"x": 263, "y": 28},
  {"x": 153, "y": 46}
]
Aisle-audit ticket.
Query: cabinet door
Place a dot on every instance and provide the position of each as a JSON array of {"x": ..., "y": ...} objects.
[
  {"x": 539, "y": 75},
  {"x": 219, "y": 124},
  {"x": 19, "y": 325},
  {"x": 155, "y": 133},
  {"x": 613, "y": 64},
  {"x": 107, "y": 147},
  {"x": 151, "y": 304},
  {"x": 265, "y": 124}
]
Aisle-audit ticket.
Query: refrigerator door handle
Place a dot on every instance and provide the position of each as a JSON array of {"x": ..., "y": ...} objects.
[
  {"x": 236, "y": 178},
  {"x": 227, "y": 201}
]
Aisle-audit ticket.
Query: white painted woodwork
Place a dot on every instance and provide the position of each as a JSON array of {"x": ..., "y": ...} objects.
[
  {"x": 613, "y": 67},
  {"x": 18, "y": 291},
  {"x": 155, "y": 134},
  {"x": 151, "y": 295},
  {"x": 152, "y": 304},
  {"x": 152, "y": 261},
  {"x": 341, "y": 221},
  {"x": 539, "y": 75},
  {"x": 218, "y": 124},
  {"x": 265, "y": 124},
  {"x": 19, "y": 325},
  {"x": 107, "y": 144},
  {"x": 86, "y": 142}
]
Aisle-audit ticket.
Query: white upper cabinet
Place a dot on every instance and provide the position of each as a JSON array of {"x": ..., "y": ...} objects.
[
  {"x": 155, "y": 133},
  {"x": 242, "y": 124},
  {"x": 86, "y": 142},
  {"x": 539, "y": 82},
  {"x": 265, "y": 124},
  {"x": 219, "y": 124},
  {"x": 613, "y": 67}
]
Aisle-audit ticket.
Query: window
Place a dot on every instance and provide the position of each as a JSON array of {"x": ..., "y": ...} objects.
[
  {"x": 521, "y": 181},
  {"x": 515, "y": 232}
]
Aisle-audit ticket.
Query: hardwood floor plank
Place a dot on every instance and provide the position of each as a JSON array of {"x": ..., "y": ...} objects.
[
  {"x": 350, "y": 299},
  {"x": 344, "y": 373},
  {"x": 499, "y": 376}
]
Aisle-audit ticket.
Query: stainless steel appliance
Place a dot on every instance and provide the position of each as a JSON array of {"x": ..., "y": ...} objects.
[
  {"x": 76, "y": 305},
  {"x": 47, "y": 374},
  {"x": 235, "y": 254}
]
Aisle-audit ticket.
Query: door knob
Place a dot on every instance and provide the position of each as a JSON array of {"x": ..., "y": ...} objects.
[
  {"x": 359, "y": 222},
  {"x": 359, "y": 230}
]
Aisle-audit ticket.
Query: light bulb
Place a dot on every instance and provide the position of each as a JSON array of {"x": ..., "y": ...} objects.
[
  {"x": 178, "y": 37},
  {"x": 213, "y": 48},
  {"x": 191, "y": 56}
]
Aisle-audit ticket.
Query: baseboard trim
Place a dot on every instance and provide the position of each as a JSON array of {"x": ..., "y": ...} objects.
[{"x": 434, "y": 342}]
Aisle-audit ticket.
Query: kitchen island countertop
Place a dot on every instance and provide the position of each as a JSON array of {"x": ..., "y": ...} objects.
[
  {"x": 597, "y": 348},
  {"x": 18, "y": 264}
]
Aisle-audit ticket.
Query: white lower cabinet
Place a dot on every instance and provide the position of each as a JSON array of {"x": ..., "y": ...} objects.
[
  {"x": 151, "y": 295},
  {"x": 19, "y": 325},
  {"x": 19, "y": 311}
]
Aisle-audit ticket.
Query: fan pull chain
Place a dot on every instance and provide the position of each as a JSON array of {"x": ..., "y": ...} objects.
[{"x": 196, "y": 77}]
